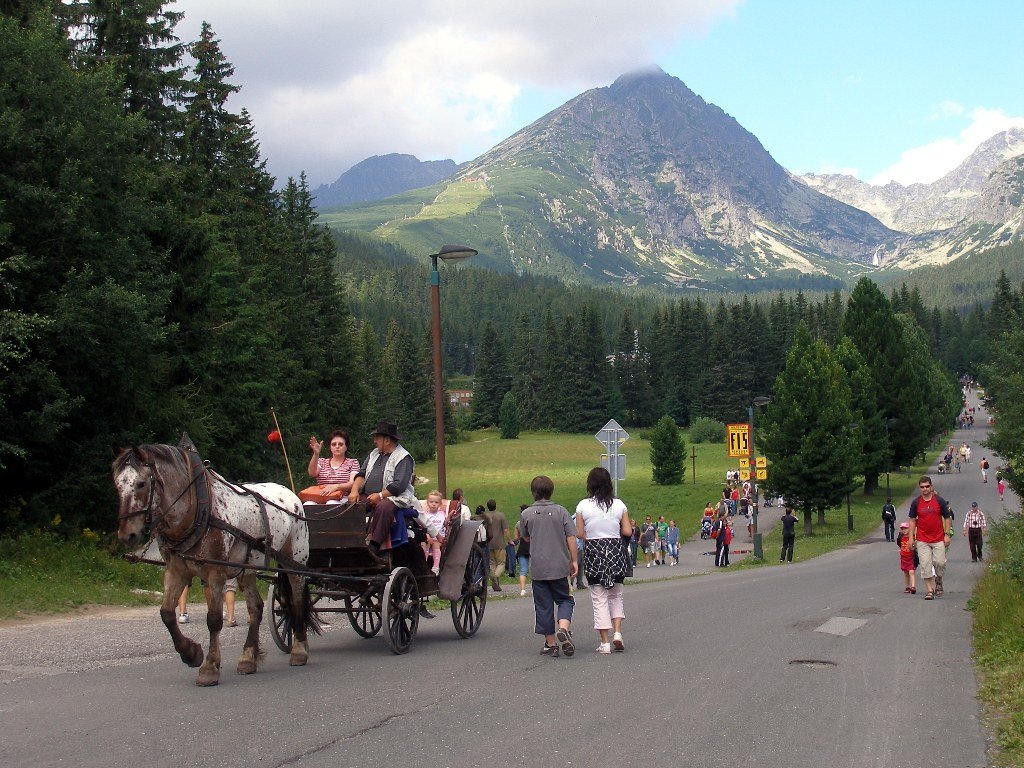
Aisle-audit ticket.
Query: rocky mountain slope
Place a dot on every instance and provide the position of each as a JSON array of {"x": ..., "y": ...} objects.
[
  {"x": 638, "y": 182},
  {"x": 644, "y": 183},
  {"x": 954, "y": 199},
  {"x": 382, "y": 176}
]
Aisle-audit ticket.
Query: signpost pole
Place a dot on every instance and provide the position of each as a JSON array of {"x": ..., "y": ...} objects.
[{"x": 611, "y": 436}]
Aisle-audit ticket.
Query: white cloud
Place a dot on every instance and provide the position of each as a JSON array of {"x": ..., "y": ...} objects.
[
  {"x": 934, "y": 160},
  {"x": 330, "y": 83},
  {"x": 951, "y": 109}
]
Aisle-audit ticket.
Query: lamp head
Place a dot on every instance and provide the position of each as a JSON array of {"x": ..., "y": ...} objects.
[{"x": 451, "y": 253}]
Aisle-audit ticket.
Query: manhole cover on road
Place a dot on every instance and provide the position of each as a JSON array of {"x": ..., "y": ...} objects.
[{"x": 814, "y": 663}]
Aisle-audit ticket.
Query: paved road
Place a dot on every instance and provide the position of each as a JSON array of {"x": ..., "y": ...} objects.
[{"x": 713, "y": 675}]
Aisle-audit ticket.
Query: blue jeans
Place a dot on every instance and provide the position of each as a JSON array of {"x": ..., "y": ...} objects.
[
  {"x": 546, "y": 596},
  {"x": 673, "y": 550},
  {"x": 524, "y": 565}
]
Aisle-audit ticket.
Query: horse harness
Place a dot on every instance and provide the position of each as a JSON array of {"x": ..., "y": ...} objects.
[{"x": 200, "y": 499}]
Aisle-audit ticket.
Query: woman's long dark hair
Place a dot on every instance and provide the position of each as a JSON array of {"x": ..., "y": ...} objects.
[{"x": 599, "y": 487}]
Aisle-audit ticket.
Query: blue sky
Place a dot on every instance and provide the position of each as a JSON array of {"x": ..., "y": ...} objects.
[{"x": 902, "y": 89}]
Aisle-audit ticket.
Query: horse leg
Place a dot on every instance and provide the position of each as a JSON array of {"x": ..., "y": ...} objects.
[
  {"x": 209, "y": 672},
  {"x": 251, "y": 653},
  {"x": 300, "y": 650},
  {"x": 176, "y": 578}
]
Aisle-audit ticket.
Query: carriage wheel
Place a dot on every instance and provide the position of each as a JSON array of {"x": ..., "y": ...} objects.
[
  {"x": 279, "y": 619},
  {"x": 468, "y": 608},
  {"x": 367, "y": 618},
  {"x": 402, "y": 598}
]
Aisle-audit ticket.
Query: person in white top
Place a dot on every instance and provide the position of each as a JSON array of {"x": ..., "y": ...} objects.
[{"x": 601, "y": 523}]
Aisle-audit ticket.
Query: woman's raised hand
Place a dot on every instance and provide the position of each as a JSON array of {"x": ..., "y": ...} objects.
[{"x": 315, "y": 445}]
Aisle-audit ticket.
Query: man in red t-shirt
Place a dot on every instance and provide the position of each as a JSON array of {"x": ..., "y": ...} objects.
[{"x": 929, "y": 514}]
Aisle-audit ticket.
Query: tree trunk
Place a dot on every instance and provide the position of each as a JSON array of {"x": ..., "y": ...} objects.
[
  {"x": 821, "y": 517},
  {"x": 870, "y": 483},
  {"x": 807, "y": 521}
]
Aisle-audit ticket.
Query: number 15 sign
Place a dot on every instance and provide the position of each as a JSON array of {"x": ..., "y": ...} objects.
[{"x": 738, "y": 440}]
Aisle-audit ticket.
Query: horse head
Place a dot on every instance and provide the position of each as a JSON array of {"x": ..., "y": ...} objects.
[{"x": 137, "y": 486}]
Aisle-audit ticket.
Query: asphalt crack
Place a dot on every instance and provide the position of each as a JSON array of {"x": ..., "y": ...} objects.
[{"x": 354, "y": 735}]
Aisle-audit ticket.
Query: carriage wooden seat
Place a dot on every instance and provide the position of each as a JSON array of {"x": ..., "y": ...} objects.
[{"x": 337, "y": 537}]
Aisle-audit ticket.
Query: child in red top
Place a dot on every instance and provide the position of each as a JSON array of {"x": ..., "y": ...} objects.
[{"x": 907, "y": 559}]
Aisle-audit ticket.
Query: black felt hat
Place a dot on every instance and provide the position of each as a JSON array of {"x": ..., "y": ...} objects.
[{"x": 387, "y": 429}]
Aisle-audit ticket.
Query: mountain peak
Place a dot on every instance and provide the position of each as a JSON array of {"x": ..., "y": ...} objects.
[{"x": 650, "y": 72}]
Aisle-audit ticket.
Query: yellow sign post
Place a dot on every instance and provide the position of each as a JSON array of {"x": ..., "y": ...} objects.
[
  {"x": 761, "y": 462},
  {"x": 738, "y": 440},
  {"x": 762, "y": 474}
]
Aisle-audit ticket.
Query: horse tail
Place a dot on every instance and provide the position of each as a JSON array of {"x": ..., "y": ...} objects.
[{"x": 313, "y": 623}]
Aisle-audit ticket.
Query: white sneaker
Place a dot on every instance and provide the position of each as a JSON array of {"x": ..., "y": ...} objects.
[
  {"x": 617, "y": 642},
  {"x": 183, "y": 619},
  {"x": 522, "y": 593},
  {"x": 648, "y": 565},
  {"x": 604, "y": 648}
]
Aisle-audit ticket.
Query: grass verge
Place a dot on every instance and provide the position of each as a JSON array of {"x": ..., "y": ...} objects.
[
  {"x": 998, "y": 606},
  {"x": 42, "y": 573}
]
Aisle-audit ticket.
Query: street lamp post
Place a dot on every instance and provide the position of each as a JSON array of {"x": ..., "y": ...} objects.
[
  {"x": 448, "y": 253},
  {"x": 757, "y": 401}
]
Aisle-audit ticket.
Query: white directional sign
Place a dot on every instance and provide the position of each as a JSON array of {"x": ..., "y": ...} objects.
[{"x": 611, "y": 437}]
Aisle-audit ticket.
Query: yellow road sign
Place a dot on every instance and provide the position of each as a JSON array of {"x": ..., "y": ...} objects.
[
  {"x": 738, "y": 441},
  {"x": 761, "y": 462},
  {"x": 744, "y": 463},
  {"x": 744, "y": 474},
  {"x": 762, "y": 474}
]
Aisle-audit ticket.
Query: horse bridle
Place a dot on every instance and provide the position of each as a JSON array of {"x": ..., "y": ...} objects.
[{"x": 147, "y": 510}]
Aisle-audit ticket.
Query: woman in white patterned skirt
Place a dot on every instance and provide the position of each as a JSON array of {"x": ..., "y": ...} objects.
[{"x": 601, "y": 523}]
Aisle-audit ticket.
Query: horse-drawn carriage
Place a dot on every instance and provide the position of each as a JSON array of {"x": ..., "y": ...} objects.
[
  {"x": 315, "y": 558},
  {"x": 345, "y": 577}
]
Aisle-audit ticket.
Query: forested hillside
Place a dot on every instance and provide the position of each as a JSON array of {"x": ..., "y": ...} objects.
[{"x": 964, "y": 282}]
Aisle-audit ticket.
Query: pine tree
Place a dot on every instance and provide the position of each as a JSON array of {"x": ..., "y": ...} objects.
[
  {"x": 492, "y": 379},
  {"x": 526, "y": 374},
  {"x": 668, "y": 453},
  {"x": 873, "y": 448},
  {"x": 551, "y": 395},
  {"x": 593, "y": 392},
  {"x": 136, "y": 39},
  {"x": 805, "y": 431},
  {"x": 508, "y": 418}
]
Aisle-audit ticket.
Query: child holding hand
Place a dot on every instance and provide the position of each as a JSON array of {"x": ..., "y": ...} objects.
[{"x": 907, "y": 565}]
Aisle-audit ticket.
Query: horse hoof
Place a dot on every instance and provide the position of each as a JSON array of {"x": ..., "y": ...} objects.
[
  {"x": 298, "y": 659},
  {"x": 246, "y": 667},
  {"x": 207, "y": 678}
]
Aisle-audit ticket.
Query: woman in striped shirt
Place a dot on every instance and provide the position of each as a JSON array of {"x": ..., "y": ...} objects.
[{"x": 334, "y": 476}]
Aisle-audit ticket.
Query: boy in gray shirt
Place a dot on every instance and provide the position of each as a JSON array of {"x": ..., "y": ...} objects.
[{"x": 552, "y": 537}]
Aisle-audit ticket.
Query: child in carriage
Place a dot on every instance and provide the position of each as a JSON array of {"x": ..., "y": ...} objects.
[{"x": 706, "y": 521}]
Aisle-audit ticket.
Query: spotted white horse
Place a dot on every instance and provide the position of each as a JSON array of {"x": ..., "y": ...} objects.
[{"x": 202, "y": 524}]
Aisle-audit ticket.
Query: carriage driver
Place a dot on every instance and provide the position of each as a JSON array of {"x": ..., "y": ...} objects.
[{"x": 384, "y": 482}]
